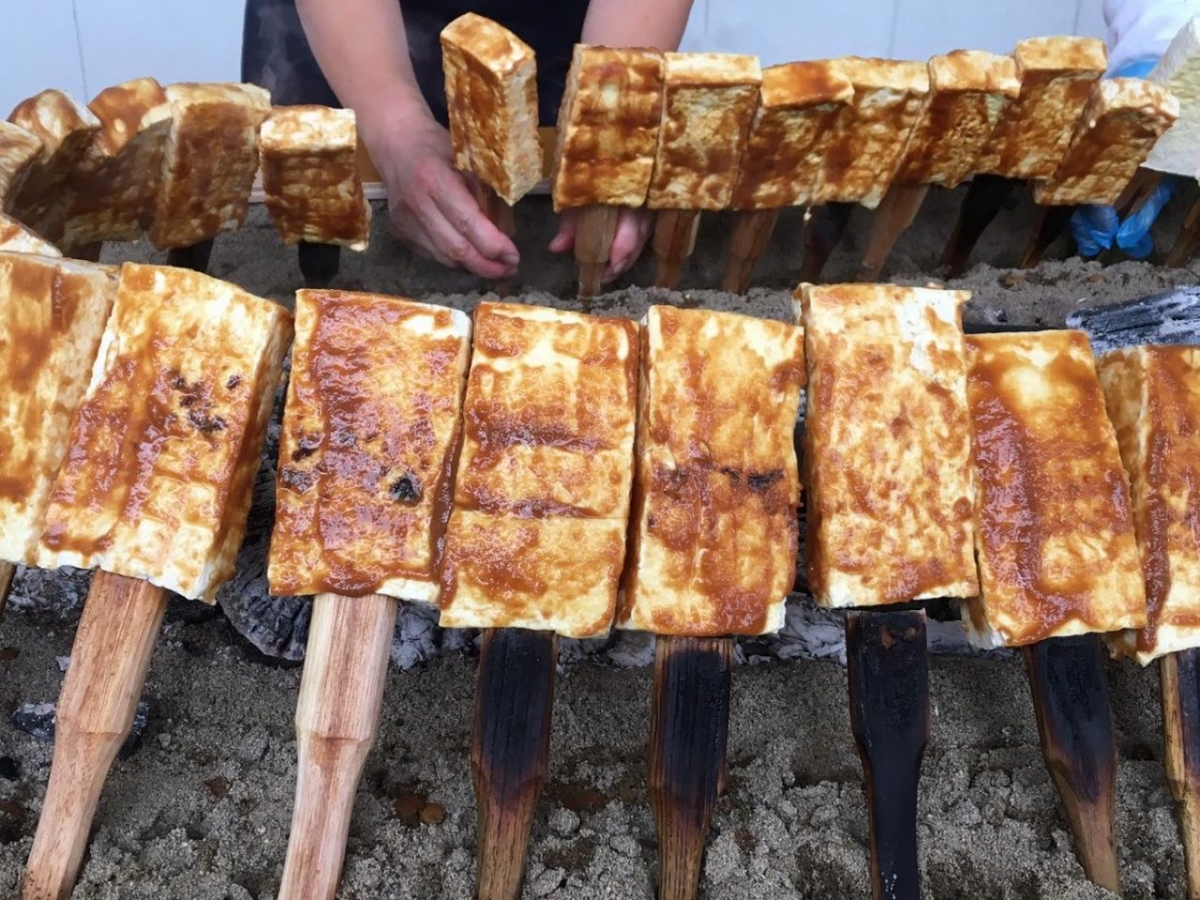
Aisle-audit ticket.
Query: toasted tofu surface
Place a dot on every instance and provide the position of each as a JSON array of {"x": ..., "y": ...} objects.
[
  {"x": 164, "y": 448},
  {"x": 16, "y": 238},
  {"x": 54, "y": 314},
  {"x": 544, "y": 473},
  {"x": 968, "y": 91},
  {"x": 798, "y": 103},
  {"x": 866, "y": 143},
  {"x": 1153, "y": 398},
  {"x": 19, "y": 151},
  {"x": 1057, "y": 74},
  {"x": 1178, "y": 70},
  {"x": 209, "y": 162},
  {"x": 608, "y": 127},
  {"x": 66, "y": 130},
  {"x": 715, "y": 534},
  {"x": 314, "y": 192},
  {"x": 491, "y": 92},
  {"x": 1121, "y": 123},
  {"x": 367, "y": 446},
  {"x": 115, "y": 189},
  {"x": 709, "y": 101},
  {"x": 887, "y": 451},
  {"x": 1053, "y": 520}
]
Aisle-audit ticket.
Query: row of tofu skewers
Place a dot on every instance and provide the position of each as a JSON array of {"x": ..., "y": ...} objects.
[
  {"x": 537, "y": 472},
  {"x": 679, "y": 133}
]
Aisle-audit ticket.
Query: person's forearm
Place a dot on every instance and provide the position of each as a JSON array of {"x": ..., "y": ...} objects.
[
  {"x": 636, "y": 23},
  {"x": 363, "y": 52}
]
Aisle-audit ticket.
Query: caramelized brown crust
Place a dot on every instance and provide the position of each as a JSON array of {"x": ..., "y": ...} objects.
[
  {"x": 1123, "y": 120},
  {"x": 709, "y": 101},
  {"x": 310, "y": 176},
  {"x": 19, "y": 150},
  {"x": 368, "y": 441},
  {"x": 608, "y": 127},
  {"x": 115, "y": 188},
  {"x": 16, "y": 238},
  {"x": 54, "y": 312},
  {"x": 491, "y": 92},
  {"x": 1057, "y": 75},
  {"x": 1054, "y": 530},
  {"x": 1153, "y": 398},
  {"x": 714, "y": 537},
  {"x": 865, "y": 145},
  {"x": 210, "y": 161},
  {"x": 887, "y": 458},
  {"x": 541, "y": 500},
  {"x": 66, "y": 131},
  {"x": 797, "y": 105},
  {"x": 968, "y": 92},
  {"x": 163, "y": 450}
]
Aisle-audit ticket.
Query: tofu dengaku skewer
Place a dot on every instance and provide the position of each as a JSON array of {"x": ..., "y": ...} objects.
[
  {"x": 713, "y": 545},
  {"x": 153, "y": 491},
  {"x": 366, "y": 452}
]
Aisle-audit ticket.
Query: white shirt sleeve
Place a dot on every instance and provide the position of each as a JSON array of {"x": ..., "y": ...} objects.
[{"x": 1142, "y": 29}]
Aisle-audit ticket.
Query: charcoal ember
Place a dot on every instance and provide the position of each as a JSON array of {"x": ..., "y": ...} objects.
[
  {"x": 57, "y": 592},
  {"x": 37, "y": 720},
  {"x": 1168, "y": 318}
]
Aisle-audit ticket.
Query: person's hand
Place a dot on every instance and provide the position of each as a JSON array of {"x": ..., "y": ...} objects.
[
  {"x": 430, "y": 203},
  {"x": 634, "y": 227}
]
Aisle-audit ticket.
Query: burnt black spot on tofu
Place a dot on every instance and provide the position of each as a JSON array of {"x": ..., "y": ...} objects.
[
  {"x": 296, "y": 480},
  {"x": 406, "y": 489},
  {"x": 761, "y": 481}
]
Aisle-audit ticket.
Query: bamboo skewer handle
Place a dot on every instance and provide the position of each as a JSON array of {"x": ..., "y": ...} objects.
[
  {"x": 500, "y": 214},
  {"x": 1180, "y": 675},
  {"x": 1052, "y": 221},
  {"x": 6, "y": 578},
  {"x": 510, "y": 751},
  {"x": 892, "y": 218},
  {"x": 689, "y": 726},
  {"x": 887, "y": 666},
  {"x": 674, "y": 242},
  {"x": 99, "y": 697},
  {"x": 1070, "y": 696},
  {"x": 337, "y": 718},
  {"x": 983, "y": 202},
  {"x": 751, "y": 234},
  {"x": 593, "y": 244},
  {"x": 1188, "y": 242},
  {"x": 824, "y": 230}
]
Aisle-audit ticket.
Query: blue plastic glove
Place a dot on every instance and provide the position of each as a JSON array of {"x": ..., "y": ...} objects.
[{"x": 1097, "y": 228}]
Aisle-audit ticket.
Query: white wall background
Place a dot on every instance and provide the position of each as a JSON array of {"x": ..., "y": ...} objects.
[{"x": 82, "y": 46}]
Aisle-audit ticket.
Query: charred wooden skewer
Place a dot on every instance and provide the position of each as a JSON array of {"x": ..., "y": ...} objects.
[
  {"x": 738, "y": 363},
  {"x": 527, "y": 374},
  {"x": 709, "y": 101},
  {"x": 887, "y": 666},
  {"x": 1032, "y": 134},
  {"x": 798, "y": 105},
  {"x": 1070, "y": 697},
  {"x": 1180, "y": 674},
  {"x": 398, "y": 366},
  {"x": 510, "y": 751},
  {"x": 604, "y": 158},
  {"x": 823, "y": 231},
  {"x": 163, "y": 320},
  {"x": 1120, "y": 124},
  {"x": 337, "y": 718},
  {"x": 689, "y": 725}
]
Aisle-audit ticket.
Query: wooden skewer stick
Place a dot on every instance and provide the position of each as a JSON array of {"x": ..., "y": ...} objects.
[
  {"x": 6, "y": 579},
  {"x": 337, "y": 718},
  {"x": 751, "y": 234},
  {"x": 1144, "y": 181},
  {"x": 593, "y": 242},
  {"x": 1070, "y": 695},
  {"x": 985, "y": 197},
  {"x": 319, "y": 263},
  {"x": 195, "y": 257},
  {"x": 887, "y": 665},
  {"x": 99, "y": 697},
  {"x": 892, "y": 218},
  {"x": 823, "y": 231},
  {"x": 510, "y": 751},
  {"x": 1180, "y": 675},
  {"x": 689, "y": 724},
  {"x": 674, "y": 241},
  {"x": 500, "y": 214},
  {"x": 1188, "y": 242},
  {"x": 1052, "y": 221}
]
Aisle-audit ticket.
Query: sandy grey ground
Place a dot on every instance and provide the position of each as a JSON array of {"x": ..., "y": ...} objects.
[{"x": 201, "y": 810}]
